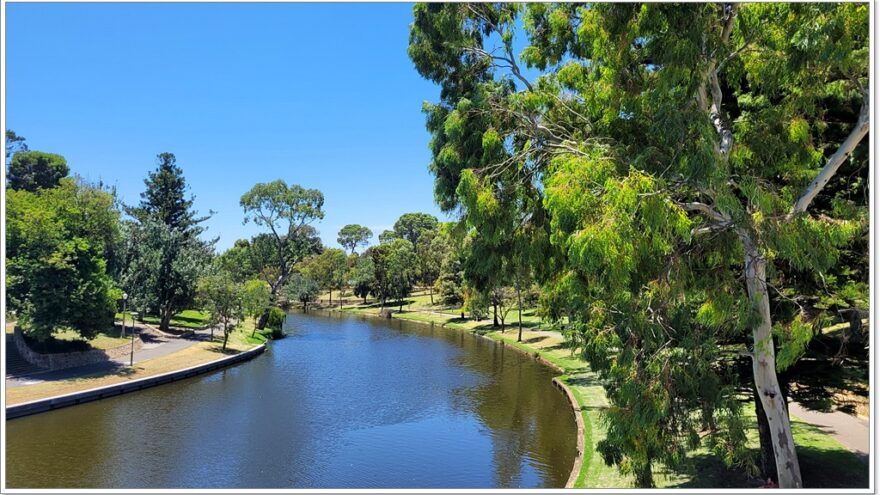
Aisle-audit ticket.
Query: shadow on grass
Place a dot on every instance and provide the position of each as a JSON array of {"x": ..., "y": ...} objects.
[{"x": 833, "y": 468}]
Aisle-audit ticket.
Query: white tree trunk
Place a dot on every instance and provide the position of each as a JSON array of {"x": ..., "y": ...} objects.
[{"x": 764, "y": 369}]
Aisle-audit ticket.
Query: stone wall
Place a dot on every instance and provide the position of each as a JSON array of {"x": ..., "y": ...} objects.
[{"x": 63, "y": 360}]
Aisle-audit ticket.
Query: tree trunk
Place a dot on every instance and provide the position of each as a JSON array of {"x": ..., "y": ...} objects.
[
  {"x": 519, "y": 303},
  {"x": 764, "y": 369},
  {"x": 494, "y": 314},
  {"x": 431, "y": 292},
  {"x": 331, "y": 297},
  {"x": 365, "y": 299},
  {"x": 264, "y": 318},
  {"x": 165, "y": 320},
  {"x": 304, "y": 307},
  {"x": 766, "y": 462},
  {"x": 225, "y": 336}
]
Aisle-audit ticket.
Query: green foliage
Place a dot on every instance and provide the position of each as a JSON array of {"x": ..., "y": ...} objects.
[
  {"x": 14, "y": 144},
  {"x": 412, "y": 226},
  {"x": 287, "y": 211},
  {"x": 164, "y": 256},
  {"x": 328, "y": 269},
  {"x": 163, "y": 265},
  {"x": 614, "y": 174},
  {"x": 351, "y": 236},
  {"x": 57, "y": 244},
  {"x": 255, "y": 297},
  {"x": 302, "y": 288},
  {"x": 394, "y": 269},
  {"x": 222, "y": 298},
  {"x": 362, "y": 276},
  {"x": 33, "y": 170},
  {"x": 276, "y": 322},
  {"x": 164, "y": 198}
]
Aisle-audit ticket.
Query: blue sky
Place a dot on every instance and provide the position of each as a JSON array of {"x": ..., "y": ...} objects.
[{"x": 322, "y": 95}]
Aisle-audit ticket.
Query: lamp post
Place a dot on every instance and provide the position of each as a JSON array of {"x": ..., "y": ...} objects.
[{"x": 124, "y": 300}]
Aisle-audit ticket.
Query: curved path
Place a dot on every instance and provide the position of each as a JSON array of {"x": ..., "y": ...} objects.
[{"x": 156, "y": 344}]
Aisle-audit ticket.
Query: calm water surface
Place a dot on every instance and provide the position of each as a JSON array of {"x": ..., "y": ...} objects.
[{"x": 342, "y": 402}]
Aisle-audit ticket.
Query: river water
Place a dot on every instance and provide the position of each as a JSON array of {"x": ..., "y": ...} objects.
[{"x": 342, "y": 402}]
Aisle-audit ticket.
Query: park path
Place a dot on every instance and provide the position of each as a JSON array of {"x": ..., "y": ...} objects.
[
  {"x": 156, "y": 344},
  {"x": 851, "y": 431}
]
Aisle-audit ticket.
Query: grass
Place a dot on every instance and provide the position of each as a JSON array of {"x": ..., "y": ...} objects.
[
  {"x": 104, "y": 340},
  {"x": 825, "y": 463},
  {"x": 188, "y": 318},
  {"x": 199, "y": 353}
]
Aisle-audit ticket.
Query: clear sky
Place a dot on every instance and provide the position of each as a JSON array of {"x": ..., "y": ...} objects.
[{"x": 322, "y": 95}]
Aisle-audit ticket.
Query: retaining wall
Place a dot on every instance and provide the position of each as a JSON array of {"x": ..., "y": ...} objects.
[
  {"x": 63, "y": 360},
  {"x": 57, "y": 402}
]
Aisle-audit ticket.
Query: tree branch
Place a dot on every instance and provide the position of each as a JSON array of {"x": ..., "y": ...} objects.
[{"x": 835, "y": 161}]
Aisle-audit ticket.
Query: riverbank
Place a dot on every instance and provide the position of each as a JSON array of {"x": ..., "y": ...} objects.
[
  {"x": 57, "y": 402},
  {"x": 195, "y": 353},
  {"x": 825, "y": 462}
]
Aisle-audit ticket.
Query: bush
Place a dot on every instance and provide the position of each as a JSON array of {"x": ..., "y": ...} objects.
[{"x": 276, "y": 321}]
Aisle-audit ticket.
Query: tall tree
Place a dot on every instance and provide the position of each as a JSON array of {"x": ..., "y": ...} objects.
[
  {"x": 411, "y": 226},
  {"x": 287, "y": 211},
  {"x": 14, "y": 144},
  {"x": 302, "y": 288},
  {"x": 677, "y": 148},
  {"x": 169, "y": 257},
  {"x": 431, "y": 249},
  {"x": 58, "y": 241},
  {"x": 352, "y": 235},
  {"x": 32, "y": 170},
  {"x": 328, "y": 269},
  {"x": 222, "y": 297},
  {"x": 362, "y": 276},
  {"x": 255, "y": 298},
  {"x": 165, "y": 197},
  {"x": 394, "y": 270}
]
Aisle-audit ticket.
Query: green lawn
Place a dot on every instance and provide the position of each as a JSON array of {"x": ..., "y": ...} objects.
[
  {"x": 189, "y": 318},
  {"x": 825, "y": 463}
]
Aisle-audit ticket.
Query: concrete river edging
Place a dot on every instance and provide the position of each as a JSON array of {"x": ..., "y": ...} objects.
[{"x": 57, "y": 402}]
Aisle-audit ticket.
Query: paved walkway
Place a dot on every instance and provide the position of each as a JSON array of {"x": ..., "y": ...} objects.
[
  {"x": 851, "y": 431},
  {"x": 156, "y": 344}
]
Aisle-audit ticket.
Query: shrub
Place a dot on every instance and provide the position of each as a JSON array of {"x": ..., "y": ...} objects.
[{"x": 276, "y": 321}]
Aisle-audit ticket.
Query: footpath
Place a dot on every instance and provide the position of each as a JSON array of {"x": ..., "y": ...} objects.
[{"x": 161, "y": 353}]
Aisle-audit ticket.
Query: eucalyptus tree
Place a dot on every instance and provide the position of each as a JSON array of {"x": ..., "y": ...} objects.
[
  {"x": 412, "y": 226},
  {"x": 287, "y": 211},
  {"x": 352, "y": 235},
  {"x": 302, "y": 288},
  {"x": 674, "y": 152},
  {"x": 222, "y": 297},
  {"x": 328, "y": 269},
  {"x": 394, "y": 270},
  {"x": 362, "y": 276}
]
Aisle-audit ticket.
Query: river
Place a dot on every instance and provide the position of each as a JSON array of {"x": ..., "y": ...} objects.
[{"x": 342, "y": 402}]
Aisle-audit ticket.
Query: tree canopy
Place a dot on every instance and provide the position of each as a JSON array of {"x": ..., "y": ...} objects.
[
  {"x": 58, "y": 241},
  {"x": 352, "y": 236},
  {"x": 664, "y": 155},
  {"x": 33, "y": 170}
]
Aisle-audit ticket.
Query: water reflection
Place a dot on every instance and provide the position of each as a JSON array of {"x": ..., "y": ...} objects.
[{"x": 343, "y": 402}]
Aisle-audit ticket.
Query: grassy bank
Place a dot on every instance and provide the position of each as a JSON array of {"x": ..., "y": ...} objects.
[
  {"x": 825, "y": 463},
  {"x": 188, "y": 318},
  {"x": 198, "y": 353}
]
